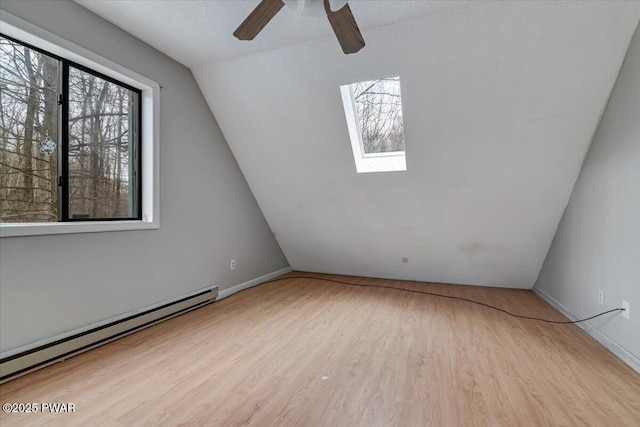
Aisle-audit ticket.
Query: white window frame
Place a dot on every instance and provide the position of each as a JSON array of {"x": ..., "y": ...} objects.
[
  {"x": 394, "y": 161},
  {"x": 149, "y": 121}
]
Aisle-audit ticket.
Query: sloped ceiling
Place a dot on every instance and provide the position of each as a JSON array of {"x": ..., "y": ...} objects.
[{"x": 500, "y": 102}]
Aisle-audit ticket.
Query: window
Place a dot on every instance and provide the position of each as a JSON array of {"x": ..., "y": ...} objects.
[
  {"x": 69, "y": 140},
  {"x": 374, "y": 118}
]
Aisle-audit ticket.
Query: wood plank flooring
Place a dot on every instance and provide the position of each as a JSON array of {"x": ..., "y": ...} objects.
[{"x": 304, "y": 352}]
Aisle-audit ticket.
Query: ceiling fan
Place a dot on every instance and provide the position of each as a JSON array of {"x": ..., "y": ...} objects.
[{"x": 338, "y": 12}]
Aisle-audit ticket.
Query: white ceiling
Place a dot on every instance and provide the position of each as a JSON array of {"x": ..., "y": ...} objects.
[
  {"x": 195, "y": 32},
  {"x": 500, "y": 102}
]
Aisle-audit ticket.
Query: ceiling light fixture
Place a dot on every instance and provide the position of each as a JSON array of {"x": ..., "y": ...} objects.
[
  {"x": 314, "y": 8},
  {"x": 341, "y": 19}
]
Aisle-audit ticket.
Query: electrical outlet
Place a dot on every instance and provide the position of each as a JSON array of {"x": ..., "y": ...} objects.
[
  {"x": 405, "y": 260},
  {"x": 625, "y": 313},
  {"x": 233, "y": 264},
  {"x": 600, "y": 297}
]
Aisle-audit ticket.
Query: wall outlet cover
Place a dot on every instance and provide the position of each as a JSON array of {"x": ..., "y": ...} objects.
[{"x": 625, "y": 313}]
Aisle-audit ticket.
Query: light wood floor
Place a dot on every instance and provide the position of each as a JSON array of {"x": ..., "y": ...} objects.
[{"x": 311, "y": 353}]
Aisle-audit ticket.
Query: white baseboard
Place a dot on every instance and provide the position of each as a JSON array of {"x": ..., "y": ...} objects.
[
  {"x": 622, "y": 353},
  {"x": 251, "y": 283}
]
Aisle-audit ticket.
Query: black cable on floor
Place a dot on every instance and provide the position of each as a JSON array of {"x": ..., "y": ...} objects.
[{"x": 519, "y": 316}]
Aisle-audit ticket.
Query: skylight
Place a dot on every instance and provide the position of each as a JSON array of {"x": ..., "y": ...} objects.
[{"x": 374, "y": 117}]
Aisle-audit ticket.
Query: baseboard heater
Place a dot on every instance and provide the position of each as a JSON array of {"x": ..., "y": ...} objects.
[{"x": 36, "y": 358}]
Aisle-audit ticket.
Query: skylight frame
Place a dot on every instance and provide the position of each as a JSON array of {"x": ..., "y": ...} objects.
[{"x": 391, "y": 161}]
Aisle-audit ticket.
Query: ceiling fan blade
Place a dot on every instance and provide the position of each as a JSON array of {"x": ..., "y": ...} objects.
[
  {"x": 256, "y": 21},
  {"x": 345, "y": 27}
]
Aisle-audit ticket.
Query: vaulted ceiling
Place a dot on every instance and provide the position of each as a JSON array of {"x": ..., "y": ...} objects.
[{"x": 500, "y": 102}]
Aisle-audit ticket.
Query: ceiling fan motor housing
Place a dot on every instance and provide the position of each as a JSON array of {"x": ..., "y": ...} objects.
[{"x": 314, "y": 7}]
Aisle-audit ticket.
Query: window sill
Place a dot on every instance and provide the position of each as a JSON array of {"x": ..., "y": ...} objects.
[
  {"x": 381, "y": 164},
  {"x": 387, "y": 154},
  {"x": 44, "y": 228}
]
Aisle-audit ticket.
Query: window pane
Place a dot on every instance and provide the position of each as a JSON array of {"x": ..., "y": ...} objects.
[
  {"x": 28, "y": 134},
  {"x": 100, "y": 156},
  {"x": 379, "y": 114}
]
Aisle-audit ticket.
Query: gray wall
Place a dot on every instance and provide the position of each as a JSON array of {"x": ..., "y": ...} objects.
[
  {"x": 597, "y": 245},
  {"x": 500, "y": 101},
  {"x": 56, "y": 283}
]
